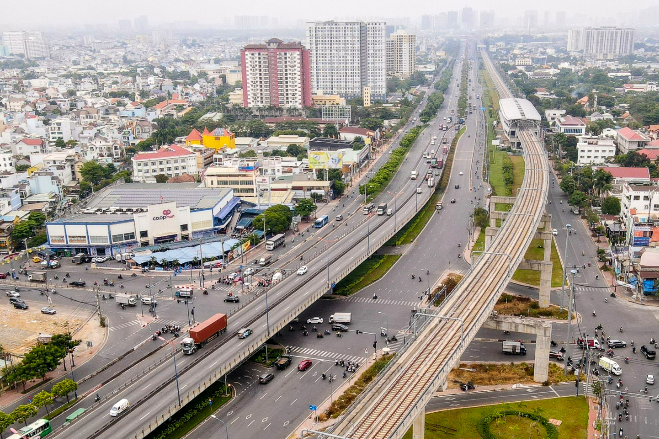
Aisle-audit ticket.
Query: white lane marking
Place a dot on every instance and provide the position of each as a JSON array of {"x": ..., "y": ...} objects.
[
  {"x": 263, "y": 395},
  {"x": 146, "y": 386},
  {"x": 266, "y": 427},
  {"x": 294, "y": 401},
  {"x": 278, "y": 398},
  {"x": 144, "y": 416}
]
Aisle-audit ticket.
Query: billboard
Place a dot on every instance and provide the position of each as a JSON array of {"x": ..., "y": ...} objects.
[{"x": 325, "y": 159}]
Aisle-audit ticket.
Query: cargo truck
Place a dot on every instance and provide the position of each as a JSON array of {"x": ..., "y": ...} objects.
[
  {"x": 283, "y": 362},
  {"x": 275, "y": 242},
  {"x": 513, "y": 348},
  {"x": 610, "y": 366},
  {"x": 125, "y": 299},
  {"x": 203, "y": 333},
  {"x": 440, "y": 163},
  {"x": 431, "y": 181},
  {"x": 340, "y": 317},
  {"x": 37, "y": 276},
  {"x": 382, "y": 208},
  {"x": 265, "y": 260},
  {"x": 81, "y": 258}
]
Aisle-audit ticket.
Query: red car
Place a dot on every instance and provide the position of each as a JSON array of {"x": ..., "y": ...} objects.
[
  {"x": 304, "y": 365},
  {"x": 3, "y": 275}
]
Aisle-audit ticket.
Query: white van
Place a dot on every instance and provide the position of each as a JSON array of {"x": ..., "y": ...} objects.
[{"x": 119, "y": 407}]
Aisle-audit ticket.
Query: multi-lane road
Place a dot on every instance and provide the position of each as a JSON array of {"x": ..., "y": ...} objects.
[{"x": 346, "y": 250}]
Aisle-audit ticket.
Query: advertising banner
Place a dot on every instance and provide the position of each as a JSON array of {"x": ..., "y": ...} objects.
[{"x": 325, "y": 159}]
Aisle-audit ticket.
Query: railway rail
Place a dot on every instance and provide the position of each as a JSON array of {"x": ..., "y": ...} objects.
[{"x": 391, "y": 404}]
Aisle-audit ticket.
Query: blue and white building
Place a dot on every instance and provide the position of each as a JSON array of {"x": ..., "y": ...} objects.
[{"x": 126, "y": 217}]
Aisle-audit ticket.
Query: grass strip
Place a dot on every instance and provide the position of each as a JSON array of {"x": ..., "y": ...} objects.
[
  {"x": 59, "y": 410},
  {"x": 365, "y": 274},
  {"x": 536, "y": 252},
  {"x": 463, "y": 423},
  {"x": 352, "y": 392},
  {"x": 195, "y": 412},
  {"x": 273, "y": 354}
]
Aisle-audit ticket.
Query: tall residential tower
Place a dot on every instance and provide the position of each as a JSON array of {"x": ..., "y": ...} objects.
[{"x": 346, "y": 57}]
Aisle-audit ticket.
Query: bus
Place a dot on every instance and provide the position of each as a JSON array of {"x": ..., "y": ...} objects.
[
  {"x": 39, "y": 428},
  {"x": 367, "y": 208},
  {"x": 275, "y": 242},
  {"x": 320, "y": 222}
]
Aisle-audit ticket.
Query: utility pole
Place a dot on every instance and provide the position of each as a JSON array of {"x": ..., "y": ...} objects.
[
  {"x": 569, "y": 316},
  {"x": 98, "y": 305}
]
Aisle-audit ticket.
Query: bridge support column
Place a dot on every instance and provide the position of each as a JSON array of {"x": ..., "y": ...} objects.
[
  {"x": 545, "y": 275},
  {"x": 541, "y": 366},
  {"x": 419, "y": 425},
  {"x": 489, "y": 236}
]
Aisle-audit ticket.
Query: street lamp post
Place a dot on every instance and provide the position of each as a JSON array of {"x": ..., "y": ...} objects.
[
  {"x": 188, "y": 306},
  {"x": 226, "y": 429},
  {"x": 569, "y": 315},
  {"x": 387, "y": 317},
  {"x": 567, "y": 228}
]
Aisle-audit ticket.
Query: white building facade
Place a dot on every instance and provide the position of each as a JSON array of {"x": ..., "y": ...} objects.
[
  {"x": 346, "y": 57},
  {"x": 593, "y": 150},
  {"x": 401, "y": 54},
  {"x": 601, "y": 42},
  {"x": 172, "y": 161}
]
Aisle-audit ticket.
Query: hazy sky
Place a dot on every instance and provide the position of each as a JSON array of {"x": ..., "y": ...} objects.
[{"x": 35, "y": 13}]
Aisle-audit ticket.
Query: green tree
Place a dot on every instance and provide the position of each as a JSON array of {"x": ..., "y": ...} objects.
[
  {"x": 24, "y": 412},
  {"x": 568, "y": 185},
  {"x": 248, "y": 154},
  {"x": 277, "y": 219},
  {"x": 577, "y": 198},
  {"x": 43, "y": 399},
  {"x": 330, "y": 131},
  {"x": 22, "y": 168},
  {"x": 41, "y": 359},
  {"x": 36, "y": 219},
  {"x": 295, "y": 150},
  {"x": 481, "y": 218},
  {"x": 611, "y": 206},
  {"x": 92, "y": 172},
  {"x": 161, "y": 178},
  {"x": 64, "y": 387},
  {"x": 65, "y": 341},
  {"x": 371, "y": 123},
  {"x": 21, "y": 231},
  {"x": 6, "y": 420},
  {"x": 60, "y": 143},
  {"x": 305, "y": 207}
]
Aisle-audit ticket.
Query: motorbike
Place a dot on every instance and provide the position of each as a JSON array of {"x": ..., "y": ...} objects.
[
  {"x": 319, "y": 335},
  {"x": 110, "y": 296},
  {"x": 419, "y": 278},
  {"x": 133, "y": 275},
  {"x": 326, "y": 332},
  {"x": 621, "y": 329},
  {"x": 324, "y": 376},
  {"x": 613, "y": 294},
  {"x": 413, "y": 276},
  {"x": 594, "y": 315},
  {"x": 626, "y": 360},
  {"x": 97, "y": 399},
  {"x": 205, "y": 292},
  {"x": 338, "y": 334},
  {"x": 598, "y": 327},
  {"x": 103, "y": 297},
  {"x": 305, "y": 333},
  {"x": 56, "y": 277},
  {"x": 120, "y": 277},
  {"x": 552, "y": 342},
  {"x": 67, "y": 275}
]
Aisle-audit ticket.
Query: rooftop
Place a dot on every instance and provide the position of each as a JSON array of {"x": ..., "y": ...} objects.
[
  {"x": 630, "y": 134},
  {"x": 628, "y": 172},
  {"x": 570, "y": 121},
  {"x": 518, "y": 109},
  {"x": 163, "y": 153},
  {"x": 141, "y": 195}
]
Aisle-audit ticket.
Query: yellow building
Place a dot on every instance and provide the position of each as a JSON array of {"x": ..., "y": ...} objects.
[
  {"x": 326, "y": 100},
  {"x": 218, "y": 139},
  {"x": 194, "y": 138}
]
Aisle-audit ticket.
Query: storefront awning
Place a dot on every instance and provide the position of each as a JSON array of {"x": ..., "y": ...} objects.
[{"x": 226, "y": 210}]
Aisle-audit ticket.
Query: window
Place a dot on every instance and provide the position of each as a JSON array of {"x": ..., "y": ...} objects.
[
  {"x": 144, "y": 234},
  {"x": 637, "y": 197},
  {"x": 98, "y": 240},
  {"x": 184, "y": 227}
]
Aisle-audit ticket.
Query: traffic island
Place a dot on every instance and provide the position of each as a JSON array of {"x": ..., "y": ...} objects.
[
  {"x": 501, "y": 374},
  {"x": 547, "y": 418}
]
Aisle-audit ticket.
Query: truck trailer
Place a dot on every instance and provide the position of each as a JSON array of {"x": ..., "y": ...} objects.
[
  {"x": 37, "y": 276},
  {"x": 203, "y": 333},
  {"x": 125, "y": 299},
  {"x": 382, "y": 208},
  {"x": 513, "y": 348},
  {"x": 340, "y": 317}
]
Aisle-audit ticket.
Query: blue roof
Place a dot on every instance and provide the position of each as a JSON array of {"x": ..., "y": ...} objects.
[
  {"x": 226, "y": 210},
  {"x": 187, "y": 254}
]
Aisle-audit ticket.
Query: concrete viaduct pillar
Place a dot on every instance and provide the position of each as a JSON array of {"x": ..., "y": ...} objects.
[
  {"x": 541, "y": 329},
  {"x": 419, "y": 425}
]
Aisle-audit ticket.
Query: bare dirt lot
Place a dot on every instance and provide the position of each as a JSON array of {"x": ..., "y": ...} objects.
[{"x": 19, "y": 329}]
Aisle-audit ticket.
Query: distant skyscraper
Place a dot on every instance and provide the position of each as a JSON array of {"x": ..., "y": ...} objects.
[
  {"x": 124, "y": 25},
  {"x": 468, "y": 18},
  {"x": 276, "y": 74},
  {"x": 452, "y": 20},
  {"x": 141, "y": 23},
  {"x": 602, "y": 42},
  {"x": 427, "y": 22},
  {"x": 401, "y": 54},
  {"x": 29, "y": 44},
  {"x": 530, "y": 20},
  {"x": 441, "y": 21},
  {"x": 346, "y": 57},
  {"x": 547, "y": 19},
  {"x": 487, "y": 19}
]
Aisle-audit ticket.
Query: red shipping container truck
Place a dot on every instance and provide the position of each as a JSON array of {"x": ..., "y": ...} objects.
[{"x": 203, "y": 333}]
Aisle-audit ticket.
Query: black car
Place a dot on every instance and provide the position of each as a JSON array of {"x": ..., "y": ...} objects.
[
  {"x": 617, "y": 344},
  {"x": 266, "y": 378},
  {"x": 235, "y": 299},
  {"x": 15, "y": 300},
  {"x": 21, "y": 305},
  {"x": 77, "y": 283},
  {"x": 648, "y": 352}
]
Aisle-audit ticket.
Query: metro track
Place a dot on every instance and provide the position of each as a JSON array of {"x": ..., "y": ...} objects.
[{"x": 388, "y": 409}]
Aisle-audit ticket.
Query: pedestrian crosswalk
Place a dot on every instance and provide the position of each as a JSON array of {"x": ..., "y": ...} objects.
[
  {"x": 380, "y": 301},
  {"x": 332, "y": 356},
  {"x": 157, "y": 323},
  {"x": 591, "y": 289}
]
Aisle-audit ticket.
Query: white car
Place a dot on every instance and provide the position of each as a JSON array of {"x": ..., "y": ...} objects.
[
  {"x": 249, "y": 271},
  {"x": 13, "y": 294},
  {"x": 100, "y": 259},
  {"x": 315, "y": 320},
  {"x": 649, "y": 379},
  {"x": 148, "y": 300},
  {"x": 302, "y": 270},
  {"x": 554, "y": 232},
  {"x": 461, "y": 173},
  {"x": 232, "y": 276}
]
